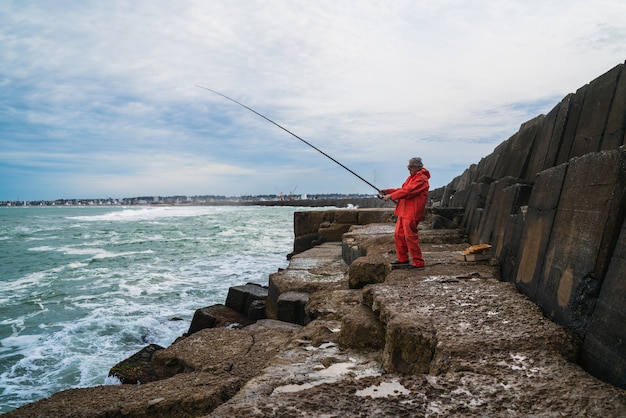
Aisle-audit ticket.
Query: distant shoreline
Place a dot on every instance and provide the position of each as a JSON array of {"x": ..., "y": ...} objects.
[{"x": 360, "y": 202}]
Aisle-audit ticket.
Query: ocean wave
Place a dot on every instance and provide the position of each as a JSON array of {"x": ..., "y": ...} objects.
[{"x": 145, "y": 214}]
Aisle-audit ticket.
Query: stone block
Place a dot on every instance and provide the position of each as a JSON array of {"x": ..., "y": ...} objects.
[
  {"x": 308, "y": 222},
  {"x": 513, "y": 160},
  {"x": 138, "y": 368},
  {"x": 487, "y": 165},
  {"x": 240, "y": 298},
  {"x": 476, "y": 200},
  {"x": 351, "y": 250},
  {"x": 318, "y": 269},
  {"x": 291, "y": 307},
  {"x": 603, "y": 352},
  {"x": 217, "y": 316},
  {"x": 496, "y": 206},
  {"x": 346, "y": 216},
  {"x": 585, "y": 230},
  {"x": 360, "y": 328},
  {"x": 367, "y": 270},
  {"x": 304, "y": 242},
  {"x": 466, "y": 178},
  {"x": 256, "y": 310},
  {"x": 569, "y": 133},
  {"x": 459, "y": 198},
  {"x": 333, "y": 232},
  {"x": 375, "y": 216},
  {"x": 616, "y": 122},
  {"x": 509, "y": 227},
  {"x": 542, "y": 207},
  {"x": 594, "y": 114},
  {"x": 410, "y": 345},
  {"x": 548, "y": 140},
  {"x": 558, "y": 133},
  {"x": 472, "y": 227}
]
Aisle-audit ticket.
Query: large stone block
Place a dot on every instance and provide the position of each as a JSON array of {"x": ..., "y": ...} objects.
[
  {"x": 467, "y": 178},
  {"x": 510, "y": 228},
  {"x": 332, "y": 231},
  {"x": 509, "y": 214},
  {"x": 573, "y": 116},
  {"x": 215, "y": 316},
  {"x": 375, "y": 216},
  {"x": 542, "y": 207},
  {"x": 291, "y": 307},
  {"x": 138, "y": 368},
  {"x": 308, "y": 222},
  {"x": 613, "y": 136},
  {"x": 367, "y": 270},
  {"x": 513, "y": 161},
  {"x": 459, "y": 198},
  {"x": 558, "y": 133},
  {"x": 496, "y": 206},
  {"x": 346, "y": 216},
  {"x": 585, "y": 230},
  {"x": 548, "y": 140},
  {"x": 317, "y": 269},
  {"x": 604, "y": 348},
  {"x": 360, "y": 328},
  {"x": 240, "y": 298},
  {"x": 487, "y": 165},
  {"x": 594, "y": 114},
  {"x": 477, "y": 200},
  {"x": 410, "y": 345}
]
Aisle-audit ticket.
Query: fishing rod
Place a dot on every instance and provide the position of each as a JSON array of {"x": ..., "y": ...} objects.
[{"x": 291, "y": 133}]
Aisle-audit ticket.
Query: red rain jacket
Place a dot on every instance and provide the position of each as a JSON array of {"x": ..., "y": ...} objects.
[{"x": 412, "y": 196}]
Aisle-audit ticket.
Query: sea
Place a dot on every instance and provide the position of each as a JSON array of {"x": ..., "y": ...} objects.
[{"x": 83, "y": 288}]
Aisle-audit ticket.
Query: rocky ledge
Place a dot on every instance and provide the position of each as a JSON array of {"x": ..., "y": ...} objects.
[{"x": 449, "y": 340}]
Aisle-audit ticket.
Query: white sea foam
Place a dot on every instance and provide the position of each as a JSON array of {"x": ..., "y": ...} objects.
[
  {"x": 146, "y": 213},
  {"x": 99, "y": 284}
]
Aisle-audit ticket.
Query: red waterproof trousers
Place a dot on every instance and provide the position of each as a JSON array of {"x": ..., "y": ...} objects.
[{"x": 407, "y": 242}]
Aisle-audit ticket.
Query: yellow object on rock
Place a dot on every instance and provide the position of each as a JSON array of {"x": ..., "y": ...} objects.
[{"x": 475, "y": 249}]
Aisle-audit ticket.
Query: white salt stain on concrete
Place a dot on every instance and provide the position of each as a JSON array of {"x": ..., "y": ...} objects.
[{"x": 313, "y": 372}]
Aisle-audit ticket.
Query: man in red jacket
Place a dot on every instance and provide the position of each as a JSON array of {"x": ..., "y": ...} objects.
[{"x": 411, "y": 198}]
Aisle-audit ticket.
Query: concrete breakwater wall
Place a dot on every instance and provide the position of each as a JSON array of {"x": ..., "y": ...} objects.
[{"x": 551, "y": 200}]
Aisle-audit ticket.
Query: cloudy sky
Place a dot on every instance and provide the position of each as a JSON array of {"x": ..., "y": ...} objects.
[{"x": 100, "y": 98}]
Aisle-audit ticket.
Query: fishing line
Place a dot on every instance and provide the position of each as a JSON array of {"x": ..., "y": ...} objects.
[{"x": 291, "y": 133}]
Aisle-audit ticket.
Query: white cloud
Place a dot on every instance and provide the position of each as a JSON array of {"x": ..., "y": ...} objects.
[{"x": 371, "y": 83}]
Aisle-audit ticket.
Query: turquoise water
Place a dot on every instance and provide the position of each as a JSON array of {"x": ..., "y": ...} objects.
[{"x": 82, "y": 288}]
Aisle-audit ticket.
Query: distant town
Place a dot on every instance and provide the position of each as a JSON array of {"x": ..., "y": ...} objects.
[{"x": 279, "y": 199}]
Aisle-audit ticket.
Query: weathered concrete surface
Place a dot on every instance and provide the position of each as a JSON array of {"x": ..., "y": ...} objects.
[
  {"x": 595, "y": 113},
  {"x": 557, "y": 254},
  {"x": 197, "y": 373},
  {"x": 457, "y": 342},
  {"x": 451, "y": 340},
  {"x": 605, "y": 342},
  {"x": 544, "y": 153},
  {"x": 542, "y": 207},
  {"x": 583, "y": 236}
]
